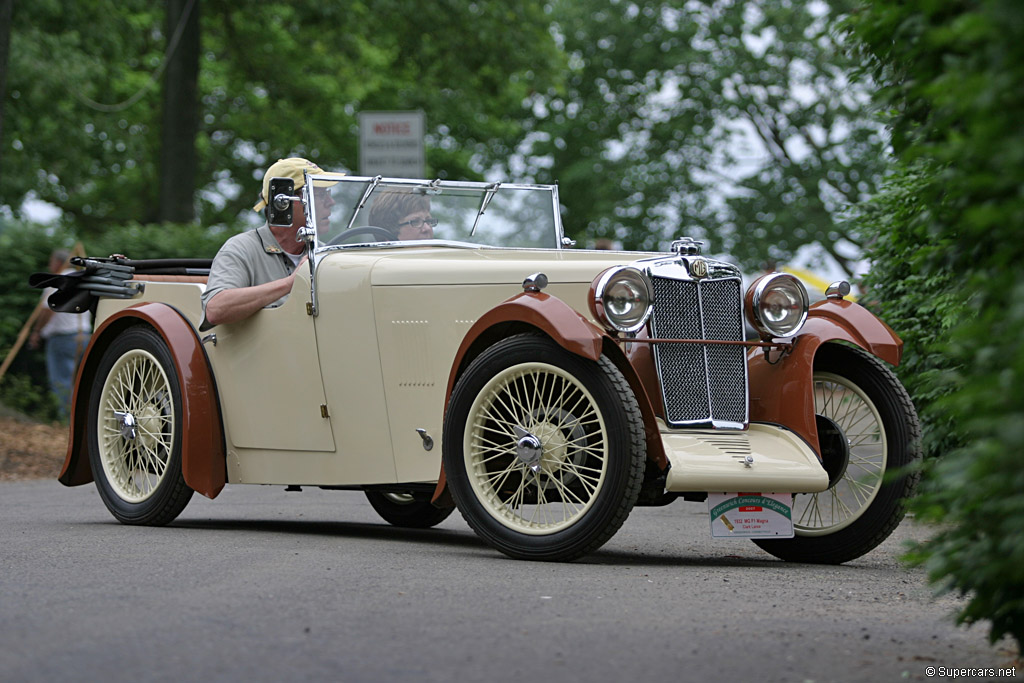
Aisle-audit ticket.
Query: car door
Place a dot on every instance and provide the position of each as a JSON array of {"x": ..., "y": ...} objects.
[
  {"x": 351, "y": 367},
  {"x": 271, "y": 392}
]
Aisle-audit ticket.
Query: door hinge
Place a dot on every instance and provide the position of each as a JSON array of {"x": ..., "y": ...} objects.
[
  {"x": 309, "y": 308},
  {"x": 323, "y": 410}
]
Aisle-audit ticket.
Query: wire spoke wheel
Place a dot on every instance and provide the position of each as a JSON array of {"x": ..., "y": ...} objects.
[
  {"x": 135, "y": 414},
  {"x": 544, "y": 451},
  {"x": 869, "y": 434},
  {"x": 136, "y": 425},
  {"x": 846, "y": 404},
  {"x": 552, "y": 490},
  {"x": 407, "y": 509}
]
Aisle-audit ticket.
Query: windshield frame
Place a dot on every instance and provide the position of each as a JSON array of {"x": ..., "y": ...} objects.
[{"x": 436, "y": 186}]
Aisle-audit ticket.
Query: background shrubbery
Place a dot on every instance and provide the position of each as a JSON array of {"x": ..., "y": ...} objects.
[
  {"x": 948, "y": 269},
  {"x": 26, "y": 248},
  {"x": 922, "y": 303}
]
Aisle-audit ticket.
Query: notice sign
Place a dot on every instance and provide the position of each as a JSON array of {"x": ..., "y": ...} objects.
[
  {"x": 751, "y": 515},
  {"x": 391, "y": 144}
]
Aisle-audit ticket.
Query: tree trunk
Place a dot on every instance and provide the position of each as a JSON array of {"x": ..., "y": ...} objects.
[
  {"x": 180, "y": 120},
  {"x": 5, "y": 48}
]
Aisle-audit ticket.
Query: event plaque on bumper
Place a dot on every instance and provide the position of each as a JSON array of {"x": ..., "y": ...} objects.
[{"x": 751, "y": 515}]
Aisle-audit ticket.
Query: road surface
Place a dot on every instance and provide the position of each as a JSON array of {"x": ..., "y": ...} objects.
[{"x": 267, "y": 585}]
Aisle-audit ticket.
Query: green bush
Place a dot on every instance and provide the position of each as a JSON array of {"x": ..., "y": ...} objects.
[
  {"x": 138, "y": 241},
  {"x": 950, "y": 246},
  {"x": 922, "y": 304}
]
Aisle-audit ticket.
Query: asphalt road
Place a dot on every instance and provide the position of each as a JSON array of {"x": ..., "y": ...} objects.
[{"x": 267, "y": 585}]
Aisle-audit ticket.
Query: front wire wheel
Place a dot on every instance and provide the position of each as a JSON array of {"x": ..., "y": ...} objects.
[
  {"x": 547, "y": 402},
  {"x": 135, "y": 440},
  {"x": 855, "y": 414},
  {"x": 544, "y": 451},
  {"x": 868, "y": 423}
]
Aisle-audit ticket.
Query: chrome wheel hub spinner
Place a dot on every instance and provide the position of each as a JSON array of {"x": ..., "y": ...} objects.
[
  {"x": 127, "y": 424},
  {"x": 529, "y": 449}
]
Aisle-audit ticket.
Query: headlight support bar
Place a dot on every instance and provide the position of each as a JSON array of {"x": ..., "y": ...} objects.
[{"x": 787, "y": 345}]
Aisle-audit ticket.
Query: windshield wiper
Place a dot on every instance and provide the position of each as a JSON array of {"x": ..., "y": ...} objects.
[
  {"x": 362, "y": 200},
  {"x": 488, "y": 196}
]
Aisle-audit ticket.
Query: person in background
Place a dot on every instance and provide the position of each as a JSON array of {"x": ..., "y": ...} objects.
[{"x": 65, "y": 336}]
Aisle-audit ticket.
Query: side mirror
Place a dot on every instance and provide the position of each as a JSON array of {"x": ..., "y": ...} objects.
[{"x": 282, "y": 194}]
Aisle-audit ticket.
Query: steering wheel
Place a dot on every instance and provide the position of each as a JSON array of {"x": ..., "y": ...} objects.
[{"x": 382, "y": 233}]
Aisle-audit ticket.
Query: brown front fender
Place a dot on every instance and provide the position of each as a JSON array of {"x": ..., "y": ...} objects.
[
  {"x": 783, "y": 392},
  {"x": 202, "y": 448},
  {"x": 570, "y": 330},
  {"x": 544, "y": 312}
]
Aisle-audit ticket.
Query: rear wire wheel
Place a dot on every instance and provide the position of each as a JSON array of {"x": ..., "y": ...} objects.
[
  {"x": 864, "y": 405},
  {"x": 544, "y": 451},
  {"x": 135, "y": 414},
  {"x": 407, "y": 510}
]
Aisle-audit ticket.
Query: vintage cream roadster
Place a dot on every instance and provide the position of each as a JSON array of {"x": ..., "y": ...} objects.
[{"x": 542, "y": 390}]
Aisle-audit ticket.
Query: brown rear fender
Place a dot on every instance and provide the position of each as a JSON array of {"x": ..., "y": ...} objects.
[
  {"x": 537, "y": 311},
  {"x": 202, "y": 449},
  {"x": 783, "y": 392}
]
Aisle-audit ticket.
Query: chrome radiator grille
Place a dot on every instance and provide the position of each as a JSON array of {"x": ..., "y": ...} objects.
[{"x": 700, "y": 383}]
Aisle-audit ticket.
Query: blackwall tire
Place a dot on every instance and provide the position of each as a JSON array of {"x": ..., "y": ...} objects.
[
  {"x": 407, "y": 510},
  {"x": 569, "y": 494},
  {"x": 135, "y": 417},
  {"x": 861, "y": 396}
]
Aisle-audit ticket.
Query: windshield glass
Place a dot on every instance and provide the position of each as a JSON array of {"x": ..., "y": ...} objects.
[{"x": 366, "y": 211}]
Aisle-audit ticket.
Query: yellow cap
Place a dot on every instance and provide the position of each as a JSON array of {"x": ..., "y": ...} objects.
[{"x": 292, "y": 167}]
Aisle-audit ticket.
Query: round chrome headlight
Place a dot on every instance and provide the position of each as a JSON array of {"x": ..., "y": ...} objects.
[
  {"x": 777, "y": 305},
  {"x": 622, "y": 299}
]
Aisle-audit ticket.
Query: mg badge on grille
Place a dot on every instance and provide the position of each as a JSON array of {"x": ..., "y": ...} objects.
[{"x": 698, "y": 268}]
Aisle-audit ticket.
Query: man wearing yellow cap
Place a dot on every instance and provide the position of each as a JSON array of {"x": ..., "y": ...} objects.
[{"x": 256, "y": 269}]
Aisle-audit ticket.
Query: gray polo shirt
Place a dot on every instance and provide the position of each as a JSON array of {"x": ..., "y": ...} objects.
[{"x": 245, "y": 260}]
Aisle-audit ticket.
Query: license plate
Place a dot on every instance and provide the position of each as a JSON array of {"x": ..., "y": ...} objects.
[{"x": 751, "y": 515}]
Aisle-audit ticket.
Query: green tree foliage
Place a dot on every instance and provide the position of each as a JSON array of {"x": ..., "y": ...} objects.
[
  {"x": 6, "y": 6},
  {"x": 82, "y": 116},
  {"x": 954, "y": 81},
  {"x": 737, "y": 118},
  {"x": 732, "y": 120},
  {"x": 63, "y": 56},
  {"x": 922, "y": 303}
]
